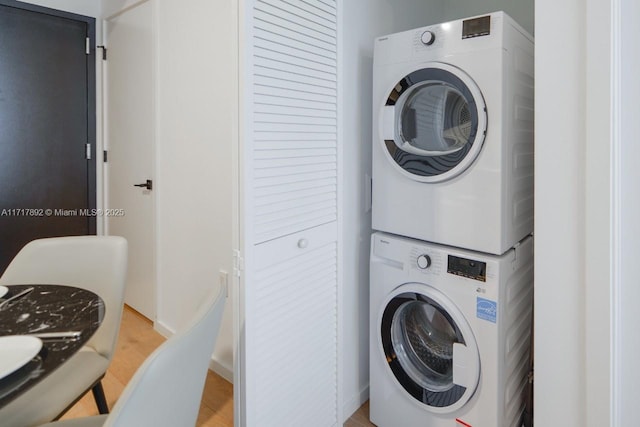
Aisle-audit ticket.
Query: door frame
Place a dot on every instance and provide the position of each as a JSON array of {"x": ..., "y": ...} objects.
[
  {"x": 92, "y": 107},
  {"x": 242, "y": 193},
  {"x": 601, "y": 199},
  {"x": 625, "y": 201}
]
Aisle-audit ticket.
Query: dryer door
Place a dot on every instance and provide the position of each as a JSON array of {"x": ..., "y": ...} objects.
[
  {"x": 433, "y": 123},
  {"x": 429, "y": 347}
]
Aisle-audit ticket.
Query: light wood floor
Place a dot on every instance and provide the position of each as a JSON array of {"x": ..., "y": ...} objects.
[
  {"x": 137, "y": 340},
  {"x": 360, "y": 418}
]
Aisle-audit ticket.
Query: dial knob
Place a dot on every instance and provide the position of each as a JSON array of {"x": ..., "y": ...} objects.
[
  {"x": 424, "y": 261},
  {"x": 428, "y": 38}
]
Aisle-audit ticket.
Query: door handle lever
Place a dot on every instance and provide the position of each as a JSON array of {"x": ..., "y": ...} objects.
[{"x": 148, "y": 185}]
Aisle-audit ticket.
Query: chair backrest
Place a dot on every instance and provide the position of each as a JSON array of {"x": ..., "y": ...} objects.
[
  {"x": 166, "y": 390},
  {"x": 95, "y": 263}
]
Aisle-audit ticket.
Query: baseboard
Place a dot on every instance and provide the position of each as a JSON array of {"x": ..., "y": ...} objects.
[
  {"x": 221, "y": 369},
  {"x": 163, "y": 329},
  {"x": 353, "y": 404}
]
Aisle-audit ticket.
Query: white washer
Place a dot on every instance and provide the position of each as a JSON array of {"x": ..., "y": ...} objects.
[
  {"x": 453, "y": 133},
  {"x": 450, "y": 334}
]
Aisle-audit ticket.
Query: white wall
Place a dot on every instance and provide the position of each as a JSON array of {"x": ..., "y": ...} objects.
[
  {"x": 364, "y": 20},
  {"x": 559, "y": 218},
  {"x": 111, "y": 7},
  {"x": 197, "y": 100},
  {"x": 196, "y": 110},
  {"x": 520, "y": 10},
  {"x": 598, "y": 171},
  {"x": 573, "y": 265},
  {"x": 81, "y": 7}
]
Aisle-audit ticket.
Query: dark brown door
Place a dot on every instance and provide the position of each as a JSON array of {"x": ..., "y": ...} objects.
[{"x": 47, "y": 118}]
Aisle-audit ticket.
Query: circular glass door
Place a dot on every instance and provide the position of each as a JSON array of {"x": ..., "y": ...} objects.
[
  {"x": 434, "y": 122},
  {"x": 422, "y": 337},
  {"x": 425, "y": 340}
]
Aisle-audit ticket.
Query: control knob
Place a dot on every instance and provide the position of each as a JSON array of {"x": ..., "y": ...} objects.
[
  {"x": 424, "y": 261},
  {"x": 427, "y": 38}
]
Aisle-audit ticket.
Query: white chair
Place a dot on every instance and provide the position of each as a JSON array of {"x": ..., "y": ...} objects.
[
  {"x": 95, "y": 263},
  {"x": 166, "y": 390}
]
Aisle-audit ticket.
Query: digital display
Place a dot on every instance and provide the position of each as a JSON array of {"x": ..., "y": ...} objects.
[
  {"x": 469, "y": 268},
  {"x": 476, "y": 27}
]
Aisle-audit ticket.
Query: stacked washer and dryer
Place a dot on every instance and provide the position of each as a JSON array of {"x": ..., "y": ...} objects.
[{"x": 452, "y": 259}]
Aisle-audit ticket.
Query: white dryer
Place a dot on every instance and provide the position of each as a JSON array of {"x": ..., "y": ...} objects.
[
  {"x": 450, "y": 331},
  {"x": 453, "y": 133}
]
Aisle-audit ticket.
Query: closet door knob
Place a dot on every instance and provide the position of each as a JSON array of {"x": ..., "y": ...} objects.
[{"x": 303, "y": 243}]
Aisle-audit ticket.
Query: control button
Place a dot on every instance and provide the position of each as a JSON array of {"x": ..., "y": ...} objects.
[
  {"x": 424, "y": 261},
  {"x": 428, "y": 38}
]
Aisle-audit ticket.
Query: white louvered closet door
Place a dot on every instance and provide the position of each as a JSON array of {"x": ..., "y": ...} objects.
[{"x": 290, "y": 211}]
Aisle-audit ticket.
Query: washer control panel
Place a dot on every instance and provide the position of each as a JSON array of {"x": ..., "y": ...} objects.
[
  {"x": 428, "y": 261},
  {"x": 427, "y": 38},
  {"x": 465, "y": 267},
  {"x": 423, "y": 261}
]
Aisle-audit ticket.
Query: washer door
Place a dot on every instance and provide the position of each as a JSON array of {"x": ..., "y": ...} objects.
[
  {"x": 429, "y": 347},
  {"x": 433, "y": 123}
]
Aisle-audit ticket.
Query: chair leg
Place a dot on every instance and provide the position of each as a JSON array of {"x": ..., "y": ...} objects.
[{"x": 98, "y": 396}]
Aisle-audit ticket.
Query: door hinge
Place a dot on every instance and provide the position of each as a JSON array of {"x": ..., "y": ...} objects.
[
  {"x": 104, "y": 52},
  {"x": 87, "y": 152},
  {"x": 517, "y": 256},
  {"x": 104, "y": 156},
  {"x": 238, "y": 263},
  {"x": 87, "y": 47}
]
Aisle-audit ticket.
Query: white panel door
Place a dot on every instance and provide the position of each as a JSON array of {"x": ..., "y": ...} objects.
[
  {"x": 288, "y": 371},
  {"x": 130, "y": 142},
  {"x": 292, "y": 342}
]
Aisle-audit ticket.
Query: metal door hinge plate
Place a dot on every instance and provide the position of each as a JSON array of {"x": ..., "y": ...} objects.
[
  {"x": 238, "y": 263},
  {"x": 104, "y": 52}
]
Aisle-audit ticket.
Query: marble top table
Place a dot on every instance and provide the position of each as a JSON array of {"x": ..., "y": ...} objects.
[{"x": 49, "y": 308}]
